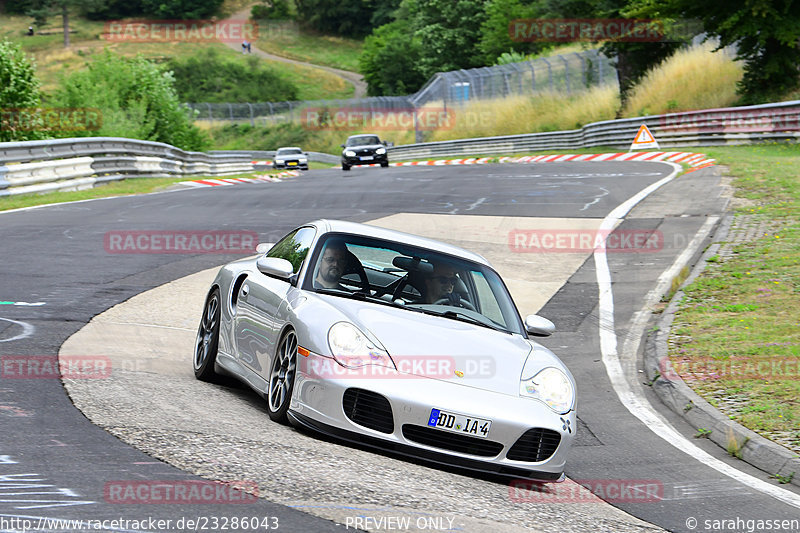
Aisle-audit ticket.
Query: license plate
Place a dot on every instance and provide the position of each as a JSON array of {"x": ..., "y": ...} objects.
[
  {"x": 366, "y": 158},
  {"x": 462, "y": 424},
  {"x": 292, "y": 163}
]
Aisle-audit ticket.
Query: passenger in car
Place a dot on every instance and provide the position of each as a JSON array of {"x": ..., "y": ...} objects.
[{"x": 440, "y": 284}]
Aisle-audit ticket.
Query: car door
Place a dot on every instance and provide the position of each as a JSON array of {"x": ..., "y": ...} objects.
[{"x": 262, "y": 301}]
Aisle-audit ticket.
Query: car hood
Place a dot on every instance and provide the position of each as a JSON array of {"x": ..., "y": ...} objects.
[
  {"x": 364, "y": 146},
  {"x": 443, "y": 348}
]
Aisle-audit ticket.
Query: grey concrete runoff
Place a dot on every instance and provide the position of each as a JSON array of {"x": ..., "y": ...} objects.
[{"x": 754, "y": 449}]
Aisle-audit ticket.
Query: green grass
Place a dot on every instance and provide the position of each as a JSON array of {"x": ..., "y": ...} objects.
[
  {"x": 114, "y": 188},
  {"x": 743, "y": 309},
  {"x": 287, "y": 39},
  {"x": 53, "y": 61}
]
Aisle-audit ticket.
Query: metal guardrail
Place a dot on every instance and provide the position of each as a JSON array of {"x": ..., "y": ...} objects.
[
  {"x": 64, "y": 164},
  {"x": 712, "y": 127},
  {"x": 80, "y": 163}
]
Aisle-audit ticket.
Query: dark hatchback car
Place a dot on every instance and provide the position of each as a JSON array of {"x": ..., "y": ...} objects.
[{"x": 364, "y": 150}]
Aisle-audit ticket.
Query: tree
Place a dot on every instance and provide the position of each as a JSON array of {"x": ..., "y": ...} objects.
[
  {"x": 633, "y": 58},
  {"x": 449, "y": 32},
  {"x": 495, "y": 39},
  {"x": 765, "y": 33},
  {"x": 19, "y": 89},
  {"x": 181, "y": 9},
  {"x": 349, "y": 18},
  {"x": 390, "y": 60},
  {"x": 136, "y": 99},
  {"x": 210, "y": 77}
]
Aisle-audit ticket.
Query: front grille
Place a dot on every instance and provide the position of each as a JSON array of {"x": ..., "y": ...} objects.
[
  {"x": 445, "y": 440},
  {"x": 368, "y": 409},
  {"x": 535, "y": 445}
]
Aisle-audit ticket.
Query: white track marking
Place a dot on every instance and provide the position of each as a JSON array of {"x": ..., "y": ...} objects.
[
  {"x": 27, "y": 330},
  {"x": 635, "y": 402}
]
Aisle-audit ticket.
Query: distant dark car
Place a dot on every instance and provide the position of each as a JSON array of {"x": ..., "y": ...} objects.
[
  {"x": 290, "y": 157},
  {"x": 364, "y": 150}
]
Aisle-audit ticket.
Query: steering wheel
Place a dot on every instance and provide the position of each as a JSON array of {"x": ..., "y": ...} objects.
[
  {"x": 462, "y": 303},
  {"x": 401, "y": 284}
]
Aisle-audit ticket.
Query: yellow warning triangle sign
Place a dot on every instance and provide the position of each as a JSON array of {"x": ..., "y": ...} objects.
[{"x": 643, "y": 139}]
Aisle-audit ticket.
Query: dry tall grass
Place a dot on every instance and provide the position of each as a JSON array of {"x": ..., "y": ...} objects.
[
  {"x": 527, "y": 114},
  {"x": 696, "y": 78}
]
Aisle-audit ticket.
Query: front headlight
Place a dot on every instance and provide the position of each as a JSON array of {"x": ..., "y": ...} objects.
[
  {"x": 303, "y": 160},
  {"x": 352, "y": 349},
  {"x": 380, "y": 151},
  {"x": 349, "y": 153},
  {"x": 280, "y": 161},
  {"x": 551, "y": 386}
]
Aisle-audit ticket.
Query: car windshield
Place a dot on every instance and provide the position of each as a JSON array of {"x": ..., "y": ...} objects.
[
  {"x": 363, "y": 140},
  {"x": 416, "y": 279},
  {"x": 289, "y": 151}
]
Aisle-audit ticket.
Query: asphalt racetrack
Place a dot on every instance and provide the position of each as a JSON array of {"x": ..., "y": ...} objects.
[{"x": 71, "y": 450}]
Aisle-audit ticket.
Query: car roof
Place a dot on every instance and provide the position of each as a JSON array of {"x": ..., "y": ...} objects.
[
  {"x": 327, "y": 225},
  {"x": 364, "y": 135},
  {"x": 290, "y": 148}
]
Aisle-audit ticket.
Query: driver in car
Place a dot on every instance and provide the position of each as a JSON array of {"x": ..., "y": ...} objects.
[
  {"x": 331, "y": 266},
  {"x": 440, "y": 285}
]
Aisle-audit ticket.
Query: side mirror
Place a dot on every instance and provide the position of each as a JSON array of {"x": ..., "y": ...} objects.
[
  {"x": 263, "y": 247},
  {"x": 343, "y": 146},
  {"x": 539, "y": 326},
  {"x": 275, "y": 266}
]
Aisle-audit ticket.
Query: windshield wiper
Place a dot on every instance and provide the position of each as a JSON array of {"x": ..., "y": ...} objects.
[
  {"x": 463, "y": 317},
  {"x": 364, "y": 297}
]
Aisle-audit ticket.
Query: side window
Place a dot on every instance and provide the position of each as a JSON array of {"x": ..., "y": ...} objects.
[{"x": 294, "y": 247}]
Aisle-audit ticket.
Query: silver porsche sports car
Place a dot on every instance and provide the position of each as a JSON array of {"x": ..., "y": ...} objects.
[{"x": 394, "y": 341}]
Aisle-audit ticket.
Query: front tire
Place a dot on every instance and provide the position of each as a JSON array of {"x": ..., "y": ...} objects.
[
  {"x": 345, "y": 167},
  {"x": 385, "y": 164},
  {"x": 207, "y": 343},
  {"x": 282, "y": 377}
]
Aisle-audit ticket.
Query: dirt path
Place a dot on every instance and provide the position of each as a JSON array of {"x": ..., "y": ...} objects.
[{"x": 354, "y": 78}]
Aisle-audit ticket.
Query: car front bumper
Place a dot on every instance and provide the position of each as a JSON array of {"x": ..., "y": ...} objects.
[
  {"x": 317, "y": 404},
  {"x": 359, "y": 160}
]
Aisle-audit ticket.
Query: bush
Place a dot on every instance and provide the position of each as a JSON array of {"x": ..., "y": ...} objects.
[
  {"x": 277, "y": 10},
  {"x": 19, "y": 88},
  {"x": 136, "y": 99},
  {"x": 209, "y": 77},
  {"x": 390, "y": 61}
]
